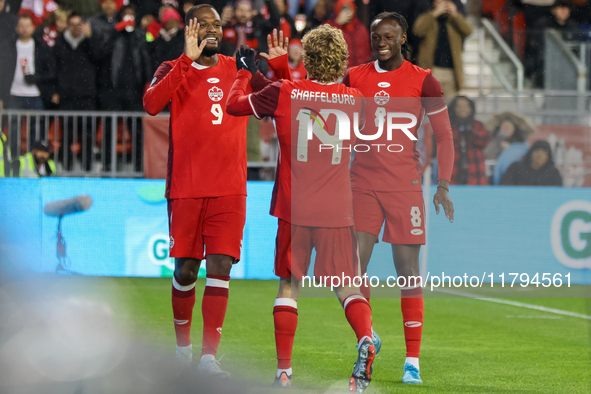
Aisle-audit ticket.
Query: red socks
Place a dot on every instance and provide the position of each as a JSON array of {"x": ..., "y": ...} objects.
[
  {"x": 358, "y": 313},
  {"x": 411, "y": 303},
  {"x": 183, "y": 300},
  {"x": 213, "y": 308},
  {"x": 285, "y": 316}
]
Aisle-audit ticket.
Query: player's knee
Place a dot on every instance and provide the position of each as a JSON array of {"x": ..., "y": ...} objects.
[
  {"x": 186, "y": 271},
  {"x": 219, "y": 264}
]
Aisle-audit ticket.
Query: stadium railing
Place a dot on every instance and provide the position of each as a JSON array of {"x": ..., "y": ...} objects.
[{"x": 82, "y": 144}]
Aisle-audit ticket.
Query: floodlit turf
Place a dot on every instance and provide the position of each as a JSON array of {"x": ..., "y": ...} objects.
[{"x": 469, "y": 345}]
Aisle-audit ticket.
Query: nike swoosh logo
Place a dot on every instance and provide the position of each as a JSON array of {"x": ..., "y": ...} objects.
[
  {"x": 180, "y": 321},
  {"x": 243, "y": 62}
]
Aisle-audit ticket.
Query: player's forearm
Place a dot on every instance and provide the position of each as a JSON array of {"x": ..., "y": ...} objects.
[
  {"x": 258, "y": 82},
  {"x": 238, "y": 104},
  {"x": 280, "y": 66},
  {"x": 445, "y": 144},
  {"x": 160, "y": 93}
]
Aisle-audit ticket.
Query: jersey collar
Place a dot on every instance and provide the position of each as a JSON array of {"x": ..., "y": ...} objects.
[
  {"x": 199, "y": 66},
  {"x": 380, "y": 70}
]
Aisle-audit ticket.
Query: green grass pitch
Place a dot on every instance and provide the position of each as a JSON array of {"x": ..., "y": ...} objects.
[{"x": 469, "y": 345}]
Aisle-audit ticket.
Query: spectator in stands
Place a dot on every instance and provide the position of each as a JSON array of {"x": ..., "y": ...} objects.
[
  {"x": 318, "y": 17},
  {"x": 534, "y": 10},
  {"x": 103, "y": 22},
  {"x": 535, "y": 169},
  {"x": 246, "y": 28},
  {"x": 35, "y": 164},
  {"x": 286, "y": 22},
  {"x": 171, "y": 41},
  {"x": 509, "y": 143},
  {"x": 8, "y": 37},
  {"x": 442, "y": 30},
  {"x": 48, "y": 31},
  {"x": 33, "y": 69},
  {"x": 76, "y": 50},
  {"x": 294, "y": 7},
  {"x": 534, "y": 52},
  {"x": 131, "y": 69},
  {"x": 470, "y": 139},
  {"x": 355, "y": 33},
  {"x": 33, "y": 78}
]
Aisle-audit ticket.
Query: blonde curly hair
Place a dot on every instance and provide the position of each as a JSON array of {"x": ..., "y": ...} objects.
[{"x": 325, "y": 53}]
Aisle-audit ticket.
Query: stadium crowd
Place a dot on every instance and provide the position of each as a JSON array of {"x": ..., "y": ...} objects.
[{"x": 101, "y": 55}]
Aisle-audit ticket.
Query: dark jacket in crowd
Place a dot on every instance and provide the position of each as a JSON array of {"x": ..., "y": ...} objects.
[
  {"x": 162, "y": 50},
  {"x": 130, "y": 47},
  {"x": 76, "y": 70},
  {"x": 7, "y": 53},
  {"x": 521, "y": 173}
]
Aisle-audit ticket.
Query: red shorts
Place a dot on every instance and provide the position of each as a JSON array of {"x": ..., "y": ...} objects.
[
  {"x": 202, "y": 226},
  {"x": 336, "y": 251},
  {"x": 404, "y": 213}
]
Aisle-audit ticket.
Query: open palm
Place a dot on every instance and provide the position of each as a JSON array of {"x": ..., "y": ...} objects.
[
  {"x": 277, "y": 45},
  {"x": 192, "y": 48}
]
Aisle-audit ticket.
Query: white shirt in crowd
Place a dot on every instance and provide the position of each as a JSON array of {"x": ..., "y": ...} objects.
[{"x": 25, "y": 64}]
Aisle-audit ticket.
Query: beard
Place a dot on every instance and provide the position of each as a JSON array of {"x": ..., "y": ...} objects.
[{"x": 209, "y": 51}]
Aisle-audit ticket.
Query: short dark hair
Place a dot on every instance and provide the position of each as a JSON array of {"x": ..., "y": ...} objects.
[
  {"x": 401, "y": 20},
  {"x": 73, "y": 15},
  {"x": 25, "y": 16},
  {"x": 127, "y": 7},
  {"x": 192, "y": 10}
]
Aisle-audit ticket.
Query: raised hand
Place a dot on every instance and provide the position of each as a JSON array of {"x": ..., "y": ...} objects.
[
  {"x": 277, "y": 45},
  {"x": 245, "y": 59},
  {"x": 192, "y": 48}
]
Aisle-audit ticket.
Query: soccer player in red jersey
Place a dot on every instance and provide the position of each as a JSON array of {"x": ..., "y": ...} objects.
[
  {"x": 315, "y": 122},
  {"x": 206, "y": 177},
  {"x": 386, "y": 182}
]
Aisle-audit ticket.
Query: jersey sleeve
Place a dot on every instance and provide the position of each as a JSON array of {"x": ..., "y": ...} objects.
[
  {"x": 166, "y": 81},
  {"x": 280, "y": 67},
  {"x": 260, "y": 104},
  {"x": 434, "y": 104},
  {"x": 346, "y": 79}
]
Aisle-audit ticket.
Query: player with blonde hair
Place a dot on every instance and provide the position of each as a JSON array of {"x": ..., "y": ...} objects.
[{"x": 312, "y": 194}]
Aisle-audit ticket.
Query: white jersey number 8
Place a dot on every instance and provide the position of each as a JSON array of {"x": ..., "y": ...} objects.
[{"x": 415, "y": 214}]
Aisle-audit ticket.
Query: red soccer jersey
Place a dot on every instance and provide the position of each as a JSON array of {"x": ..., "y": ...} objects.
[
  {"x": 207, "y": 146},
  {"x": 396, "y": 104},
  {"x": 312, "y": 185}
]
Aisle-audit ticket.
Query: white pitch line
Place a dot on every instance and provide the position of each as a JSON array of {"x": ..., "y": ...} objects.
[{"x": 515, "y": 303}]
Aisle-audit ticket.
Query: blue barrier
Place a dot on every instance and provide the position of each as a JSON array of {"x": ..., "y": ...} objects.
[{"x": 125, "y": 232}]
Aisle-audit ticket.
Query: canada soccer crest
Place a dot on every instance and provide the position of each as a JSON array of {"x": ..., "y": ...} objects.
[
  {"x": 381, "y": 98},
  {"x": 216, "y": 94}
]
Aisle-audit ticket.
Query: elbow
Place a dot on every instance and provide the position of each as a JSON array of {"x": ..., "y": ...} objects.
[
  {"x": 231, "y": 108},
  {"x": 150, "y": 109}
]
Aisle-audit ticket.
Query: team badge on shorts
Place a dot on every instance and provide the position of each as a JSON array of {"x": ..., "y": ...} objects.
[
  {"x": 382, "y": 97},
  {"x": 216, "y": 94},
  {"x": 171, "y": 243}
]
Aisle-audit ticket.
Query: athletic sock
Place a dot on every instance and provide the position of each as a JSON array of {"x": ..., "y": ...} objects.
[
  {"x": 365, "y": 287},
  {"x": 285, "y": 316},
  {"x": 411, "y": 303},
  {"x": 183, "y": 301},
  {"x": 213, "y": 309},
  {"x": 280, "y": 371},
  {"x": 358, "y": 313},
  {"x": 414, "y": 361}
]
